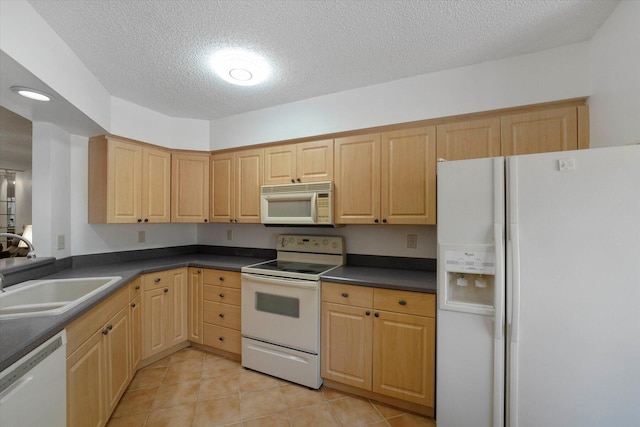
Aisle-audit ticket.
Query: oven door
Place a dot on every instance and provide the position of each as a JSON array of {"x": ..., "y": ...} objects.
[
  {"x": 281, "y": 311},
  {"x": 289, "y": 208}
]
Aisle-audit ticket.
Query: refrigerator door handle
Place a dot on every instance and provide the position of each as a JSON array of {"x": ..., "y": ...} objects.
[
  {"x": 498, "y": 333},
  {"x": 515, "y": 326}
]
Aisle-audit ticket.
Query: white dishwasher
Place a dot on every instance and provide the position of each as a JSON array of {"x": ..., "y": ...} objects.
[{"x": 33, "y": 391}]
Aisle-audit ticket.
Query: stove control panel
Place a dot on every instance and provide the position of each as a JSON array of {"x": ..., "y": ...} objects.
[{"x": 312, "y": 244}]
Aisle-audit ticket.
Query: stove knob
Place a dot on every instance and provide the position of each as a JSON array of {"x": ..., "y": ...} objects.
[{"x": 334, "y": 245}]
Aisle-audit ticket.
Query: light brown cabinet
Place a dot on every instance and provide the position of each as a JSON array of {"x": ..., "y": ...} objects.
[
  {"x": 189, "y": 187},
  {"x": 164, "y": 310},
  {"x": 98, "y": 361},
  {"x": 194, "y": 309},
  {"x": 386, "y": 178},
  {"x": 302, "y": 162},
  {"x": 128, "y": 182},
  {"x": 236, "y": 178},
  {"x": 469, "y": 139},
  {"x": 380, "y": 340},
  {"x": 221, "y": 311}
]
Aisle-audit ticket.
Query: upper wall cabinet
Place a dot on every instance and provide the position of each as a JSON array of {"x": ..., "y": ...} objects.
[
  {"x": 128, "y": 182},
  {"x": 540, "y": 131},
  {"x": 469, "y": 139},
  {"x": 189, "y": 187},
  {"x": 236, "y": 178},
  {"x": 303, "y": 162},
  {"x": 386, "y": 178}
]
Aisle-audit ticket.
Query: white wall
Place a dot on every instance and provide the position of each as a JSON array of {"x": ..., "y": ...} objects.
[{"x": 615, "y": 69}]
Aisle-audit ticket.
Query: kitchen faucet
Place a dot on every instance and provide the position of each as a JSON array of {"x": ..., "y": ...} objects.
[{"x": 32, "y": 250}]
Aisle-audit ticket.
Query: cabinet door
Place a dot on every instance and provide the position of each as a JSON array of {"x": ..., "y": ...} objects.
[
  {"x": 135, "y": 320},
  {"x": 117, "y": 358},
  {"x": 404, "y": 357},
  {"x": 249, "y": 178},
  {"x": 85, "y": 385},
  {"x": 539, "y": 131},
  {"x": 194, "y": 311},
  {"x": 156, "y": 185},
  {"x": 280, "y": 164},
  {"x": 471, "y": 139},
  {"x": 357, "y": 179},
  {"x": 223, "y": 193},
  {"x": 189, "y": 188},
  {"x": 154, "y": 324},
  {"x": 346, "y": 340},
  {"x": 123, "y": 182},
  {"x": 409, "y": 176},
  {"x": 314, "y": 161},
  {"x": 177, "y": 313}
]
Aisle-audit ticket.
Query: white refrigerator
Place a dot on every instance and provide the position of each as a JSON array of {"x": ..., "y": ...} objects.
[{"x": 538, "y": 319}]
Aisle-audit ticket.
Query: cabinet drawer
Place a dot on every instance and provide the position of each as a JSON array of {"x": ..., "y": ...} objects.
[
  {"x": 359, "y": 296},
  {"x": 405, "y": 302},
  {"x": 229, "y": 279},
  {"x": 223, "y": 338},
  {"x": 221, "y": 294},
  {"x": 221, "y": 314},
  {"x": 155, "y": 280},
  {"x": 135, "y": 288}
]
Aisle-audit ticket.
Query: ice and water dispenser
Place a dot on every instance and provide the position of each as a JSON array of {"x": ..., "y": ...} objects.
[{"x": 467, "y": 278}]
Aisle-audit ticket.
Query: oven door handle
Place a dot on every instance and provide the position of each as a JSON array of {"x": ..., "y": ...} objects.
[{"x": 280, "y": 281}]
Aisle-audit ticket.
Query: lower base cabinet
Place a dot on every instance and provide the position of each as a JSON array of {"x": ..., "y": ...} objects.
[
  {"x": 98, "y": 362},
  {"x": 221, "y": 311},
  {"x": 379, "y": 340}
]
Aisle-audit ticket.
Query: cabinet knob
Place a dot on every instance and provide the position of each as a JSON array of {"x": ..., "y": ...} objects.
[
  {"x": 298, "y": 179},
  {"x": 199, "y": 271},
  {"x": 105, "y": 331},
  {"x": 230, "y": 219},
  {"x": 221, "y": 278},
  {"x": 166, "y": 290},
  {"x": 137, "y": 287},
  {"x": 235, "y": 220},
  {"x": 139, "y": 219},
  {"x": 376, "y": 220},
  {"x": 221, "y": 338},
  {"x": 221, "y": 295},
  {"x": 377, "y": 314},
  {"x": 157, "y": 279},
  {"x": 146, "y": 220},
  {"x": 346, "y": 295},
  {"x": 384, "y": 220},
  {"x": 133, "y": 305},
  {"x": 110, "y": 327},
  {"x": 221, "y": 315},
  {"x": 402, "y": 302},
  {"x": 368, "y": 313},
  {"x": 293, "y": 181},
  {"x": 206, "y": 220}
]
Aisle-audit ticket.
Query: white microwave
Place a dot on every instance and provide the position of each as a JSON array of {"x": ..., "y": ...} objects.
[{"x": 297, "y": 204}]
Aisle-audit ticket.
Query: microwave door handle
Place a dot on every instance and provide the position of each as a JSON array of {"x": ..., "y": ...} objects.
[{"x": 314, "y": 210}]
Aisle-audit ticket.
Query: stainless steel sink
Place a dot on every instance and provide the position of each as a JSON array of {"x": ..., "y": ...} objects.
[{"x": 47, "y": 297}]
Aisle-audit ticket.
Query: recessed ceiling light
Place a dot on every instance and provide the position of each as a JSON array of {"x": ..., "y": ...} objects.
[
  {"x": 240, "y": 67},
  {"x": 27, "y": 92}
]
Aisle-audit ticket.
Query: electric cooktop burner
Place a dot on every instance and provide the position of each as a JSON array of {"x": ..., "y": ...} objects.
[{"x": 295, "y": 267}]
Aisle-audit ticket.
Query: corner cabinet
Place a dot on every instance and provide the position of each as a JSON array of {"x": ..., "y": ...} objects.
[
  {"x": 302, "y": 162},
  {"x": 189, "y": 187},
  {"x": 386, "y": 178},
  {"x": 236, "y": 178},
  {"x": 164, "y": 310},
  {"x": 129, "y": 182},
  {"x": 380, "y": 341}
]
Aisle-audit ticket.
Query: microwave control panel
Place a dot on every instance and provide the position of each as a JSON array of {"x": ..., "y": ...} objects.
[{"x": 323, "y": 208}]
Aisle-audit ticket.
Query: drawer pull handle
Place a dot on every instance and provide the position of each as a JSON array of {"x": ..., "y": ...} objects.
[
  {"x": 157, "y": 279},
  {"x": 221, "y": 278},
  {"x": 346, "y": 295},
  {"x": 402, "y": 302},
  {"x": 368, "y": 313},
  {"x": 221, "y": 295},
  {"x": 166, "y": 290},
  {"x": 221, "y": 315},
  {"x": 221, "y": 338}
]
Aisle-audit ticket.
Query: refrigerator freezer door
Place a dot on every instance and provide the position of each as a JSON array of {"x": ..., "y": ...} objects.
[
  {"x": 470, "y": 346},
  {"x": 575, "y": 345}
]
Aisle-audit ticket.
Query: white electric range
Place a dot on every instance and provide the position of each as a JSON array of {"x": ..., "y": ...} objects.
[{"x": 281, "y": 308}]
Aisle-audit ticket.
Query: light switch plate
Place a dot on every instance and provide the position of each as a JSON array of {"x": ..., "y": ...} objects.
[
  {"x": 60, "y": 242},
  {"x": 412, "y": 241}
]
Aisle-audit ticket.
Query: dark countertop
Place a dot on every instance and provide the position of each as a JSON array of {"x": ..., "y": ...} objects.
[{"x": 19, "y": 336}]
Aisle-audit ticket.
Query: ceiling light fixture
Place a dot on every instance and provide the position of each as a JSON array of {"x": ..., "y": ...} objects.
[
  {"x": 240, "y": 67},
  {"x": 27, "y": 92}
]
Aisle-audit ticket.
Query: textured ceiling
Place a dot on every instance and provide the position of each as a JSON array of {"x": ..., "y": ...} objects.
[{"x": 154, "y": 52}]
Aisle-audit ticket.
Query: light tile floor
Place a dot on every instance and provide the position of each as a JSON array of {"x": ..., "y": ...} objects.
[{"x": 194, "y": 388}]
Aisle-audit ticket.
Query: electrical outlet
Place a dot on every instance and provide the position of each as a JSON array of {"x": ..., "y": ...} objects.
[
  {"x": 412, "y": 241},
  {"x": 60, "y": 242},
  {"x": 229, "y": 234},
  {"x": 142, "y": 237}
]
